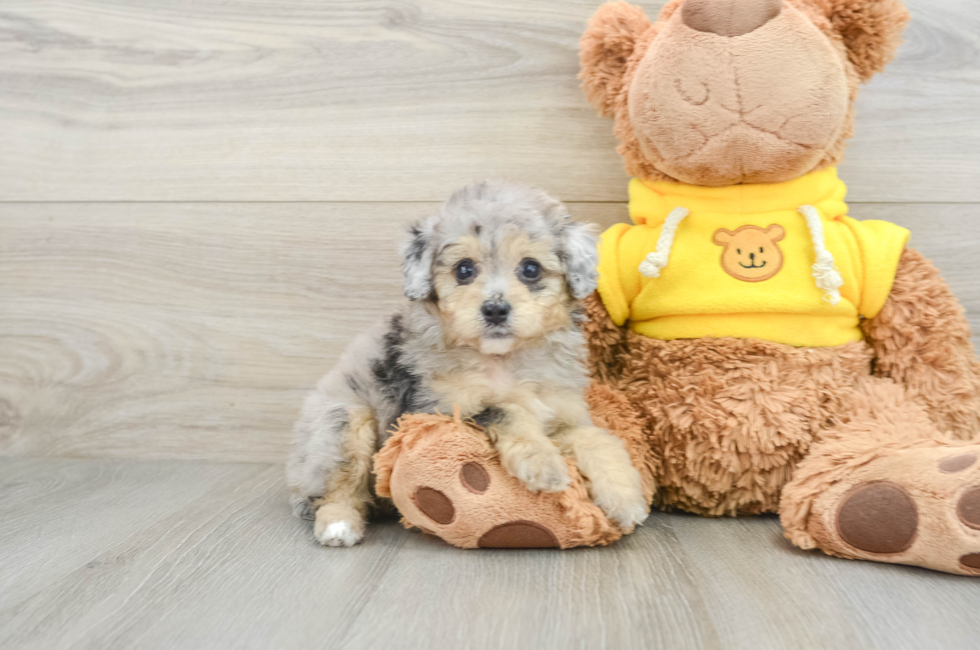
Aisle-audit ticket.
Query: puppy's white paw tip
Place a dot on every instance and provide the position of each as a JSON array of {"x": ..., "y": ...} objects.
[
  {"x": 339, "y": 533},
  {"x": 543, "y": 472},
  {"x": 628, "y": 521},
  {"x": 626, "y": 513},
  {"x": 546, "y": 483}
]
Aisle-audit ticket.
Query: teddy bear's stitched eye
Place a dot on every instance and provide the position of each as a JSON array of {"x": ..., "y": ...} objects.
[
  {"x": 465, "y": 271},
  {"x": 529, "y": 270},
  {"x": 738, "y": 250},
  {"x": 760, "y": 249}
]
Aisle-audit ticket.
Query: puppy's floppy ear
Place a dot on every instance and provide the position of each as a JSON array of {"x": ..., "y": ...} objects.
[
  {"x": 579, "y": 253},
  {"x": 871, "y": 29},
  {"x": 417, "y": 257},
  {"x": 605, "y": 48}
]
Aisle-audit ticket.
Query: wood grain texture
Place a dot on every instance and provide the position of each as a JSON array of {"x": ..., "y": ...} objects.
[
  {"x": 392, "y": 100},
  {"x": 148, "y": 310},
  {"x": 193, "y": 331},
  {"x": 211, "y": 558}
]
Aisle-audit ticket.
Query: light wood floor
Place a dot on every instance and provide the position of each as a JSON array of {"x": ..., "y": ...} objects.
[
  {"x": 200, "y": 203},
  {"x": 175, "y": 554}
]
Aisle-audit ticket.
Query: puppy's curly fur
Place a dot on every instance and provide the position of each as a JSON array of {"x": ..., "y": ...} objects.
[{"x": 493, "y": 327}]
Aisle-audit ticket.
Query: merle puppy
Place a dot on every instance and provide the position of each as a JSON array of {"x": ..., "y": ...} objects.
[{"x": 491, "y": 325}]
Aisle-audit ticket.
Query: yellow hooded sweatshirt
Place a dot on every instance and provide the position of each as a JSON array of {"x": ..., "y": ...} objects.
[{"x": 780, "y": 262}]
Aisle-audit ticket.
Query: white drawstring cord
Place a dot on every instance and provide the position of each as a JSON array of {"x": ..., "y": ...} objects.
[
  {"x": 655, "y": 261},
  {"x": 824, "y": 269}
]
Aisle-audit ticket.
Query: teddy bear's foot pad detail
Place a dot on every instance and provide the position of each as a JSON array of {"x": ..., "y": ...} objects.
[
  {"x": 878, "y": 518},
  {"x": 519, "y": 534},
  {"x": 435, "y": 505},
  {"x": 918, "y": 506},
  {"x": 968, "y": 508}
]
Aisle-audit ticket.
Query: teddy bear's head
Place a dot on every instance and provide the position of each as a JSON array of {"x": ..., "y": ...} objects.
[{"x": 722, "y": 92}]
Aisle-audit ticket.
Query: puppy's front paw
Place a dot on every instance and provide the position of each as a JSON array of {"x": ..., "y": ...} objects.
[
  {"x": 337, "y": 525},
  {"x": 542, "y": 470},
  {"x": 623, "y": 504},
  {"x": 338, "y": 533}
]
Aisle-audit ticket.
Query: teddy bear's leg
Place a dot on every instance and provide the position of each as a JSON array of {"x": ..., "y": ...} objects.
[
  {"x": 447, "y": 479},
  {"x": 886, "y": 485},
  {"x": 921, "y": 339}
]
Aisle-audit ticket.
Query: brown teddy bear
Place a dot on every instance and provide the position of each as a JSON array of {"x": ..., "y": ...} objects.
[{"x": 757, "y": 348}]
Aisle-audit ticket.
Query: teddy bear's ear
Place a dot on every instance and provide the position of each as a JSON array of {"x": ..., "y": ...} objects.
[
  {"x": 871, "y": 29},
  {"x": 605, "y": 48}
]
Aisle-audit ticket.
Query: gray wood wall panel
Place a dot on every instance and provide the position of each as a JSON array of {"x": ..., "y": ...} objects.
[
  {"x": 159, "y": 330},
  {"x": 203, "y": 100}
]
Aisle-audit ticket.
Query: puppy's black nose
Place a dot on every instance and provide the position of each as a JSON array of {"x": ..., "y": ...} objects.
[{"x": 495, "y": 311}]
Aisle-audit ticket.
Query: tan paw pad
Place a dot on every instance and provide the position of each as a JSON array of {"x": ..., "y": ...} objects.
[
  {"x": 878, "y": 517},
  {"x": 519, "y": 534},
  {"x": 971, "y": 561},
  {"x": 968, "y": 507},
  {"x": 957, "y": 463},
  {"x": 474, "y": 478},
  {"x": 435, "y": 505}
]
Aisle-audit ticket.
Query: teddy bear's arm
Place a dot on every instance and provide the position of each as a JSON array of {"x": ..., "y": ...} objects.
[
  {"x": 921, "y": 339},
  {"x": 606, "y": 340}
]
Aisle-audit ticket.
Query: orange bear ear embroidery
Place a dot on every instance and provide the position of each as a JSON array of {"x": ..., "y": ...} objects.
[{"x": 750, "y": 253}]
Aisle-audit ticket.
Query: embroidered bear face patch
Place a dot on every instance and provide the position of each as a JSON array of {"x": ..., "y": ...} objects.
[{"x": 750, "y": 253}]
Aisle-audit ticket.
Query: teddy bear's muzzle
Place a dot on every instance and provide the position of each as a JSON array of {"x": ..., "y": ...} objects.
[
  {"x": 720, "y": 99},
  {"x": 729, "y": 17}
]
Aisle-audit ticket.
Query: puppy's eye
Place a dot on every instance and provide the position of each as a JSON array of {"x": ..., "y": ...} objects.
[
  {"x": 465, "y": 271},
  {"x": 529, "y": 270}
]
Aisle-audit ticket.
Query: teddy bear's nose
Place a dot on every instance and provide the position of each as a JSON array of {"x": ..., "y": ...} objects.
[{"x": 729, "y": 17}]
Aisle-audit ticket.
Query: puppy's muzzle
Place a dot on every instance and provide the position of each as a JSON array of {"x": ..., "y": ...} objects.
[{"x": 495, "y": 312}]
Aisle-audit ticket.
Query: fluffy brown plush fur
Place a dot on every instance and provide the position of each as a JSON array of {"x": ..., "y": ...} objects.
[
  {"x": 742, "y": 426},
  {"x": 728, "y": 418},
  {"x": 921, "y": 339}
]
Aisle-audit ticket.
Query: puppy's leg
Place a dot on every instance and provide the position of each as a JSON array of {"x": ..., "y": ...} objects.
[
  {"x": 525, "y": 450},
  {"x": 613, "y": 482},
  {"x": 341, "y": 513}
]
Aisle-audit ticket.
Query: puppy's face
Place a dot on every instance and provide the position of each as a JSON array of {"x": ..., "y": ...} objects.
[
  {"x": 495, "y": 290},
  {"x": 502, "y": 265}
]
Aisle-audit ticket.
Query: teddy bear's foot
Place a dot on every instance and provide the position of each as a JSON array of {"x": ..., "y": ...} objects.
[
  {"x": 447, "y": 479},
  {"x": 918, "y": 505}
]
